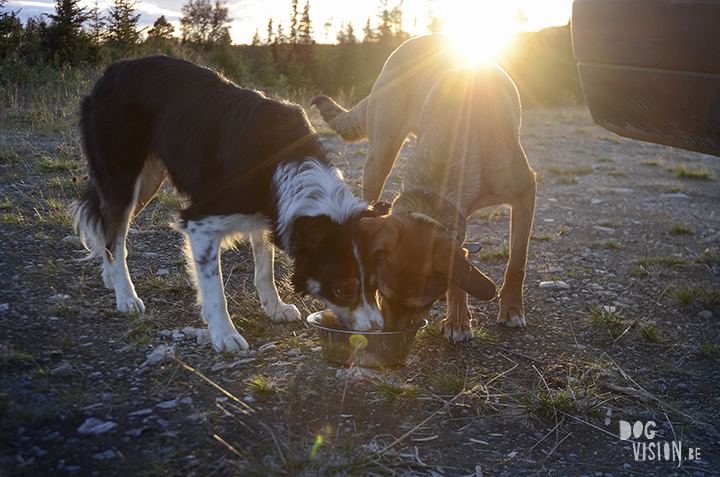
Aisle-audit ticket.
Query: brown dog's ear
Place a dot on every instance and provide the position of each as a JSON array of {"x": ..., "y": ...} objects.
[
  {"x": 463, "y": 274},
  {"x": 378, "y": 234}
]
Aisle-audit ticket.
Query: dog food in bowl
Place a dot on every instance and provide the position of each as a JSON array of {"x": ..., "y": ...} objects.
[{"x": 361, "y": 348}]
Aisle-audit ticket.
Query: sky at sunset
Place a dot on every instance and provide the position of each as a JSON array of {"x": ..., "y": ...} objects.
[{"x": 486, "y": 19}]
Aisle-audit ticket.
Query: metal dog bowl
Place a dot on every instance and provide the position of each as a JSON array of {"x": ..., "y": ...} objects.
[{"x": 361, "y": 348}]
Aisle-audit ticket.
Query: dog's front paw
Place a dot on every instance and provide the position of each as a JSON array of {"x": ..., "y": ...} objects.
[
  {"x": 130, "y": 303},
  {"x": 512, "y": 319},
  {"x": 229, "y": 342},
  {"x": 455, "y": 332},
  {"x": 283, "y": 313}
]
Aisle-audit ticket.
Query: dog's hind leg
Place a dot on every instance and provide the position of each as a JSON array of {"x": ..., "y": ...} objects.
[
  {"x": 456, "y": 326},
  {"x": 205, "y": 240},
  {"x": 115, "y": 269},
  {"x": 512, "y": 312},
  {"x": 264, "y": 256}
]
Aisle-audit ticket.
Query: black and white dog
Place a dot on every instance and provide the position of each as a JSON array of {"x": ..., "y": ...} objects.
[{"x": 247, "y": 163}]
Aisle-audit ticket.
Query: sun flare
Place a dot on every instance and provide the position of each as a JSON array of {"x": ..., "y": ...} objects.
[{"x": 480, "y": 28}]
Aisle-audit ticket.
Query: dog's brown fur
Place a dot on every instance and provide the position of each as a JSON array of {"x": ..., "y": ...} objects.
[{"x": 468, "y": 154}]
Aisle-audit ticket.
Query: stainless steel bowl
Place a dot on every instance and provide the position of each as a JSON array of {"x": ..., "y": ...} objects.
[{"x": 362, "y": 348}]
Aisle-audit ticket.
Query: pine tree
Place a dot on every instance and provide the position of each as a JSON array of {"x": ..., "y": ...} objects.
[
  {"x": 371, "y": 35},
  {"x": 122, "y": 21},
  {"x": 205, "y": 24},
  {"x": 65, "y": 38},
  {"x": 270, "y": 33},
  {"x": 161, "y": 29},
  {"x": 294, "y": 22},
  {"x": 10, "y": 31},
  {"x": 96, "y": 25},
  {"x": 305, "y": 30}
]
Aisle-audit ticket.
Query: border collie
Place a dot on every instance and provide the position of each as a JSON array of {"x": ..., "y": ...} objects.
[{"x": 248, "y": 165}]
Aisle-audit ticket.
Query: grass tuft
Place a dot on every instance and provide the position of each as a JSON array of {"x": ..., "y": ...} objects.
[
  {"x": 263, "y": 387},
  {"x": 686, "y": 172}
]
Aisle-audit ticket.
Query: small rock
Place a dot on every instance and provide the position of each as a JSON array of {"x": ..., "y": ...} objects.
[
  {"x": 4, "y": 306},
  {"x": 96, "y": 426},
  {"x": 174, "y": 403},
  {"x": 219, "y": 366},
  {"x": 159, "y": 355},
  {"x": 281, "y": 363},
  {"x": 554, "y": 285},
  {"x": 203, "y": 337},
  {"x": 108, "y": 454},
  {"x": 64, "y": 369},
  {"x": 161, "y": 272},
  {"x": 268, "y": 347},
  {"x": 136, "y": 432},
  {"x": 707, "y": 314},
  {"x": 294, "y": 352},
  {"x": 676, "y": 195}
]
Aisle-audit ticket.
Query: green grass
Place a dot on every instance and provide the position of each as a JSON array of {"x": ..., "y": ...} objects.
[
  {"x": 677, "y": 229},
  {"x": 449, "y": 381},
  {"x": 568, "y": 173},
  {"x": 710, "y": 348},
  {"x": 394, "y": 389},
  {"x": 54, "y": 165},
  {"x": 706, "y": 298},
  {"x": 482, "y": 335},
  {"x": 609, "y": 244},
  {"x": 497, "y": 252},
  {"x": 10, "y": 354},
  {"x": 709, "y": 256},
  {"x": 608, "y": 319},
  {"x": 685, "y": 172},
  {"x": 572, "y": 391},
  {"x": 263, "y": 387}
]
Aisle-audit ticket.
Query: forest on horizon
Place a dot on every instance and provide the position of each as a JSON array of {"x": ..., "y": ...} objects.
[{"x": 286, "y": 61}]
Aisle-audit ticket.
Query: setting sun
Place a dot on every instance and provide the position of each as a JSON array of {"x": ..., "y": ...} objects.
[{"x": 479, "y": 28}]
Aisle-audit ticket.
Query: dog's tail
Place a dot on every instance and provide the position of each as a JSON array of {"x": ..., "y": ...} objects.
[
  {"x": 89, "y": 221},
  {"x": 350, "y": 125}
]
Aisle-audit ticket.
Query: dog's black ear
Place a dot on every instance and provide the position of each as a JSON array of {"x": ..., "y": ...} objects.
[
  {"x": 469, "y": 278},
  {"x": 312, "y": 233}
]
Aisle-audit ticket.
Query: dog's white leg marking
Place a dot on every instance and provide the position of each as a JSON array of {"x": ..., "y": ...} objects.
[
  {"x": 456, "y": 327},
  {"x": 116, "y": 271},
  {"x": 205, "y": 250},
  {"x": 264, "y": 256}
]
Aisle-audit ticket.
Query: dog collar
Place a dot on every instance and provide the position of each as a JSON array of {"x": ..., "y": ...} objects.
[
  {"x": 456, "y": 227},
  {"x": 426, "y": 218}
]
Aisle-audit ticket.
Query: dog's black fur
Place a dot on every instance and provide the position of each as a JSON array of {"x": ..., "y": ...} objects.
[{"x": 221, "y": 146}]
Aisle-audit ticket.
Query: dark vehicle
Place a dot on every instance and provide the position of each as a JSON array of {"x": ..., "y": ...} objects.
[{"x": 650, "y": 69}]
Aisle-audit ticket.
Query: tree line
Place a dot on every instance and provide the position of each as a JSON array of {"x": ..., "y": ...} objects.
[{"x": 284, "y": 59}]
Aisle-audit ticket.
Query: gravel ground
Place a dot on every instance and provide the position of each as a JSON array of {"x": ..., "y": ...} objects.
[{"x": 622, "y": 306}]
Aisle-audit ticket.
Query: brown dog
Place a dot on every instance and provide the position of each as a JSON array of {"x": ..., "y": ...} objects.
[{"x": 467, "y": 156}]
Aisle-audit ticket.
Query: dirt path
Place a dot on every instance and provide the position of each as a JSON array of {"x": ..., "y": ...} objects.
[{"x": 622, "y": 301}]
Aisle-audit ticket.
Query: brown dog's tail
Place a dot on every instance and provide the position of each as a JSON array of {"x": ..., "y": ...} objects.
[{"x": 350, "y": 125}]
